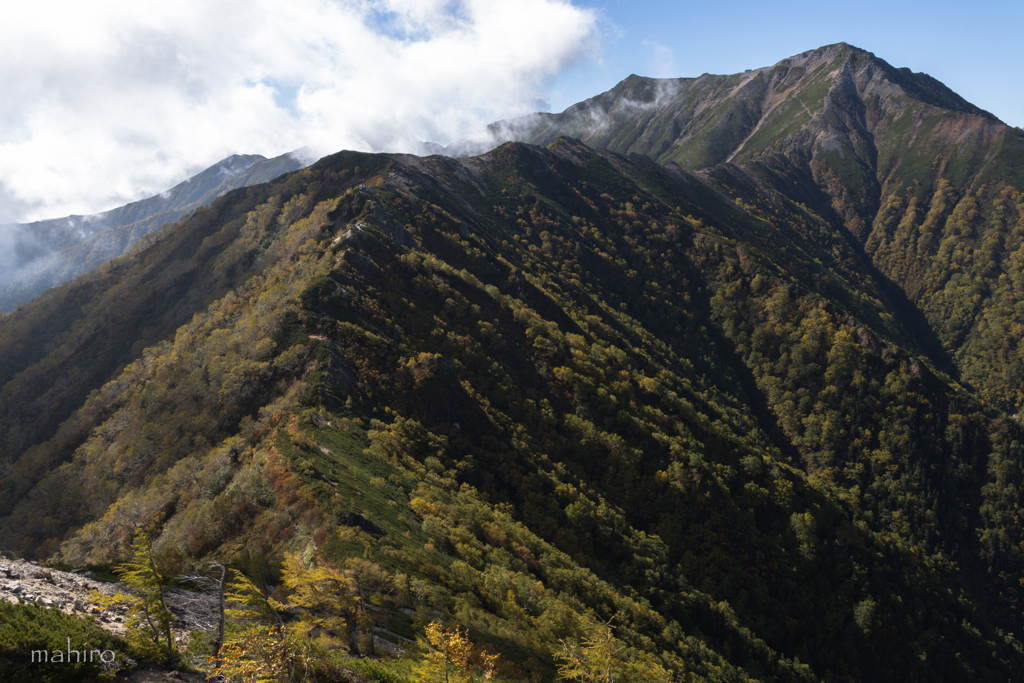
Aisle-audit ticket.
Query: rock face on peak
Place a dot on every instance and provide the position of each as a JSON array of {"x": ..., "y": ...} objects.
[
  {"x": 838, "y": 114},
  {"x": 833, "y": 92}
]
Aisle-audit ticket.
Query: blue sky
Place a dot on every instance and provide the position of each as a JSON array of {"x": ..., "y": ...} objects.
[
  {"x": 110, "y": 101},
  {"x": 977, "y": 50}
]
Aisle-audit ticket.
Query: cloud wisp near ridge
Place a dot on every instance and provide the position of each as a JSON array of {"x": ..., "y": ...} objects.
[{"x": 113, "y": 101}]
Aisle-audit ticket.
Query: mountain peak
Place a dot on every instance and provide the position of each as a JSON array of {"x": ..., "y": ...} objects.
[{"x": 837, "y": 99}]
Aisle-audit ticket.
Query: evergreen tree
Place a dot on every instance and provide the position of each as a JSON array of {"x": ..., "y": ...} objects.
[{"x": 149, "y": 620}]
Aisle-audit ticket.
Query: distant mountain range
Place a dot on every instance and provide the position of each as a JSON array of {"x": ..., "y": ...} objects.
[
  {"x": 733, "y": 364},
  {"x": 44, "y": 254}
]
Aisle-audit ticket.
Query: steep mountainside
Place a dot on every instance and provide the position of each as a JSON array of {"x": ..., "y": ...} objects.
[
  {"x": 552, "y": 386},
  {"x": 920, "y": 179},
  {"x": 832, "y": 102},
  {"x": 564, "y": 385},
  {"x": 46, "y": 253}
]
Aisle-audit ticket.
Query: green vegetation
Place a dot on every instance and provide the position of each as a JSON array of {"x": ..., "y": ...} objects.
[
  {"x": 149, "y": 620},
  {"x": 596, "y": 415},
  {"x": 40, "y": 645}
]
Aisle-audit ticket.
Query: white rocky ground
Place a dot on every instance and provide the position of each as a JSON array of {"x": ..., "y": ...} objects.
[{"x": 69, "y": 593}]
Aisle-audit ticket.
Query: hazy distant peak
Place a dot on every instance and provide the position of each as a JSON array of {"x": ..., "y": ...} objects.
[
  {"x": 40, "y": 255},
  {"x": 237, "y": 163}
]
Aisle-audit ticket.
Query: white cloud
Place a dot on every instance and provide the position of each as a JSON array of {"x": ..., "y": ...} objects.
[
  {"x": 662, "y": 61},
  {"x": 111, "y": 100}
]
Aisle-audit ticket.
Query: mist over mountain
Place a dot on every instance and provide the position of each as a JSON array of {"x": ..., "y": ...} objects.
[
  {"x": 895, "y": 161},
  {"x": 836, "y": 93},
  {"x": 732, "y": 364},
  {"x": 823, "y": 103},
  {"x": 37, "y": 256}
]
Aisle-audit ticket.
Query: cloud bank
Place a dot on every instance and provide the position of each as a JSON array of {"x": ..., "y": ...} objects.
[{"x": 110, "y": 101}]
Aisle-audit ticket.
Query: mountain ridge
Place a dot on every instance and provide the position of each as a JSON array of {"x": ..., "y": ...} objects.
[
  {"x": 636, "y": 91},
  {"x": 567, "y": 385},
  {"x": 874, "y": 137}
]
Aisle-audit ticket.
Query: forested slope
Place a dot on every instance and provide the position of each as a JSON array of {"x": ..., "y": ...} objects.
[
  {"x": 556, "y": 385},
  {"x": 927, "y": 185}
]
